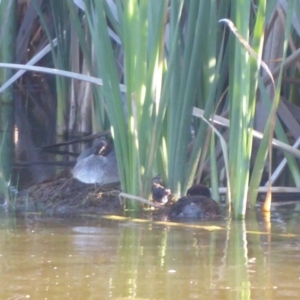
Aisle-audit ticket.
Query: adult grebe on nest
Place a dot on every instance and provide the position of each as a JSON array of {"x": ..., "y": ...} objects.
[{"x": 97, "y": 164}]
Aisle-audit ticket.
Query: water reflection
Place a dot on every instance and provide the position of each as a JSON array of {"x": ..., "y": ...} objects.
[{"x": 95, "y": 258}]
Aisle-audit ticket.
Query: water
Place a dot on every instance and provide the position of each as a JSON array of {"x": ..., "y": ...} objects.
[{"x": 95, "y": 258}]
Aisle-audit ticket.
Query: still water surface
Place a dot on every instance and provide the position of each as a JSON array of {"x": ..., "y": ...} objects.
[{"x": 94, "y": 258}]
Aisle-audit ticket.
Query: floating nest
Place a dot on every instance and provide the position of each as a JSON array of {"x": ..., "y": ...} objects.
[{"x": 65, "y": 195}]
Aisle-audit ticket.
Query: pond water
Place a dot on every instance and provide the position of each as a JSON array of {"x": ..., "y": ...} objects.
[{"x": 90, "y": 257}]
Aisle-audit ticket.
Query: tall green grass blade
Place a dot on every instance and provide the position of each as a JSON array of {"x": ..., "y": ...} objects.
[
  {"x": 262, "y": 152},
  {"x": 212, "y": 66},
  {"x": 242, "y": 100},
  {"x": 60, "y": 55}
]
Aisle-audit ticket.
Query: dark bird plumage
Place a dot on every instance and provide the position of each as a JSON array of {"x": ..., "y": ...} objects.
[
  {"x": 159, "y": 192},
  {"x": 196, "y": 205}
]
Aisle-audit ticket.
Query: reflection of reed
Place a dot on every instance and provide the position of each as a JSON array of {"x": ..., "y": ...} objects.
[
  {"x": 130, "y": 260},
  {"x": 159, "y": 261},
  {"x": 268, "y": 225},
  {"x": 237, "y": 259},
  {"x": 242, "y": 271}
]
